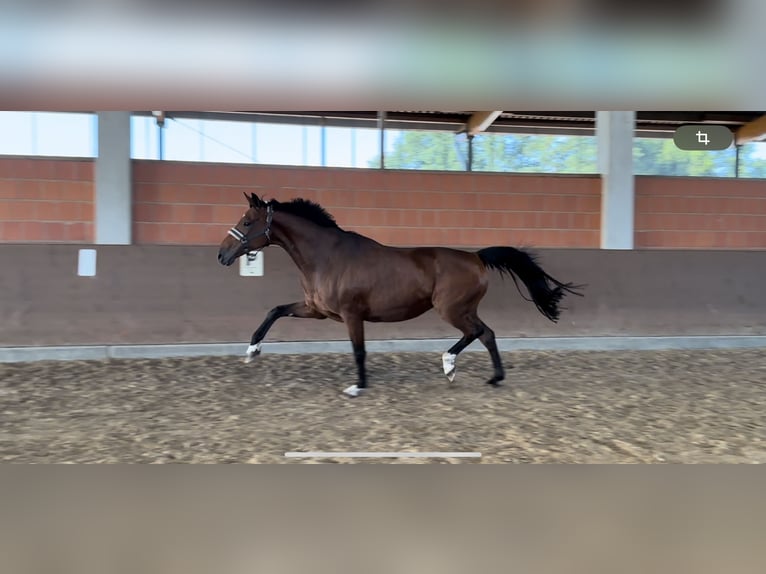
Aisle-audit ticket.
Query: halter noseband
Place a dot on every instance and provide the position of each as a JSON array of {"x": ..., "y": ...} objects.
[{"x": 243, "y": 237}]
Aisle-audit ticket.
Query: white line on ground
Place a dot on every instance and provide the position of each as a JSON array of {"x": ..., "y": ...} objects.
[{"x": 383, "y": 454}]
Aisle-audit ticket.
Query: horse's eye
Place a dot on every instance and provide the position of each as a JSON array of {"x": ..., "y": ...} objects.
[{"x": 247, "y": 223}]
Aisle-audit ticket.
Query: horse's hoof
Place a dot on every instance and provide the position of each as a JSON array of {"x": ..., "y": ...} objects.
[
  {"x": 353, "y": 391},
  {"x": 252, "y": 352},
  {"x": 448, "y": 361}
]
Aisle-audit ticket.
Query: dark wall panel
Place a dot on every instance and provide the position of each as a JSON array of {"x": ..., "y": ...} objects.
[{"x": 175, "y": 294}]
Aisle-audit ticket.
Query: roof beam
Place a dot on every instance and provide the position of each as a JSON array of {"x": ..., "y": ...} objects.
[
  {"x": 480, "y": 121},
  {"x": 751, "y": 131}
]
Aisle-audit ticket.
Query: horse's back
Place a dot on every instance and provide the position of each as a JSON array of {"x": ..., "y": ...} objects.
[{"x": 448, "y": 260}]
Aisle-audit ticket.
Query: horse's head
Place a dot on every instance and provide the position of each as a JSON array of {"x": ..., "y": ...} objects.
[{"x": 251, "y": 233}]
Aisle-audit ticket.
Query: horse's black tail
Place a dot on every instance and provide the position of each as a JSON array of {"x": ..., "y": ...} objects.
[{"x": 546, "y": 292}]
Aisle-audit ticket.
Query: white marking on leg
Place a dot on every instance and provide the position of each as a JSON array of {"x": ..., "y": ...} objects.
[
  {"x": 353, "y": 391},
  {"x": 448, "y": 360},
  {"x": 252, "y": 352}
]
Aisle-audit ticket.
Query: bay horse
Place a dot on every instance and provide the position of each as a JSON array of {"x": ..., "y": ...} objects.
[{"x": 351, "y": 278}]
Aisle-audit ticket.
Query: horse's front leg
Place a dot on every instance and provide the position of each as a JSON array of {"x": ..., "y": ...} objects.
[
  {"x": 298, "y": 309},
  {"x": 356, "y": 333}
]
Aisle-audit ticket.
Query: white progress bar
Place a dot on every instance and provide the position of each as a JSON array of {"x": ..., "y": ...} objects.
[{"x": 383, "y": 454}]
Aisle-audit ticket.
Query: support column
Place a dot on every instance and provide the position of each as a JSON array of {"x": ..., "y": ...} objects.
[
  {"x": 614, "y": 132},
  {"x": 469, "y": 166},
  {"x": 382, "y": 136},
  {"x": 113, "y": 180}
]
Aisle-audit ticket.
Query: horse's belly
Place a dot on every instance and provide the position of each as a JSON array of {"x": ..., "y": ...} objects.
[{"x": 393, "y": 311}]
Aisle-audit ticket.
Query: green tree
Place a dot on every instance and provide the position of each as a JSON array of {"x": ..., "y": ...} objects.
[
  {"x": 423, "y": 150},
  {"x": 751, "y": 160},
  {"x": 560, "y": 154},
  {"x": 655, "y": 156}
]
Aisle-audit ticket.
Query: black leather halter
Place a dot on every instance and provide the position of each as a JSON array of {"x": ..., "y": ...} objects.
[{"x": 244, "y": 238}]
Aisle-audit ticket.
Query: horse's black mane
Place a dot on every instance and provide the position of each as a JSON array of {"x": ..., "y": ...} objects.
[
  {"x": 304, "y": 208},
  {"x": 308, "y": 210}
]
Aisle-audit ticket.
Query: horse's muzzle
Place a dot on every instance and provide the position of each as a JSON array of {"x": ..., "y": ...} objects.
[{"x": 225, "y": 259}]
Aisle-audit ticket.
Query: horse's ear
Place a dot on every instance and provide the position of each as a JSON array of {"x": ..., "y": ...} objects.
[{"x": 253, "y": 200}]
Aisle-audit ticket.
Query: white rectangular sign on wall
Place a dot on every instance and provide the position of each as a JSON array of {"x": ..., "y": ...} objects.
[
  {"x": 86, "y": 263},
  {"x": 251, "y": 264}
]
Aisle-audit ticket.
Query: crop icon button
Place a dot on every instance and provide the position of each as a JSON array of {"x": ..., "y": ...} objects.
[{"x": 696, "y": 137}]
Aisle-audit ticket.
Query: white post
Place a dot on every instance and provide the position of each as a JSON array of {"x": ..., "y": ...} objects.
[
  {"x": 614, "y": 132},
  {"x": 113, "y": 180}
]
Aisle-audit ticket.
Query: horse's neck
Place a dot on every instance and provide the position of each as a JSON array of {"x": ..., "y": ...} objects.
[{"x": 305, "y": 242}]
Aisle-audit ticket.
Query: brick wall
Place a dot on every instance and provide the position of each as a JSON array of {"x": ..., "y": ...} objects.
[
  {"x": 195, "y": 203},
  {"x": 700, "y": 213},
  {"x": 50, "y": 200},
  {"x": 46, "y": 200}
]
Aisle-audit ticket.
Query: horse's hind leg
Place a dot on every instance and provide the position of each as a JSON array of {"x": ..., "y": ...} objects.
[
  {"x": 458, "y": 306},
  {"x": 487, "y": 338},
  {"x": 473, "y": 328},
  {"x": 471, "y": 331},
  {"x": 464, "y": 318}
]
